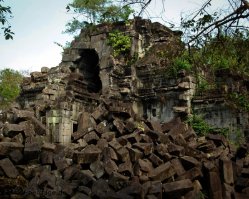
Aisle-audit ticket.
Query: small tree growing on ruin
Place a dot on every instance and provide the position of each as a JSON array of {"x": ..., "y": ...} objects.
[
  {"x": 94, "y": 12},
  {"x": 10, "y": 81}
]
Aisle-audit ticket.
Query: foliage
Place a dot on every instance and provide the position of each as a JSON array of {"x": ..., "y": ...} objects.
[
  {"x": 208, "y": 20},
  {"x": 66, "y": 46},
  {"x": 94, "y": 12},
  {"x": 201, "y": 195},
  {"x": 241, "y": 100},
  {"x": 228, "y": 52},
  {"x": 74, "y": 25},
  {"x": 181, "y": 62},
  {"x": 5, "y": 13},
  {"x": 133, "y": 59},
  {"x": 202, "y": 84},
  {"x": 224, "y": 52},
  {"x": 120, "y": 43},
  {"x": 200, "y": 126},
  {"x": 9, "y": 86},
  {"x": 237, "y": 138},
  {"x": 204, "y": 22}
]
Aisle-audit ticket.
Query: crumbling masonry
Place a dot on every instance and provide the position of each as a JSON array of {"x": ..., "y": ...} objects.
[
  {"x": 105, "y": 127},
  {"x": 89, "y": 72}
]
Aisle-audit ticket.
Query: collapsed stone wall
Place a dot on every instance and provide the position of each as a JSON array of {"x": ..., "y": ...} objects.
[
  {"x": 115, "y": 156},
  {"x": 89, "y": 70},
  {"x": 220, "y": 111},
  {"x": 98, "y": 127}
]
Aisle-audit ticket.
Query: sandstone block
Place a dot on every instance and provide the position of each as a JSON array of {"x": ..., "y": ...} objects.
[
  {"x": 110, "y": 166},
  {"x": 135, "y": 154},
  {"x": 146, "y": 148},
  {"x": 118, "y": 181},
  {"x": 8, "y": 168},
  {"x": 155, "y": 160},
  {"x": 227, "y": 171},
  {"x": 32, "y": 151},
  {"x": 162, "y": 172},
  {"x": 177, "y": 188},
  {"x": 87, "y": 155}
]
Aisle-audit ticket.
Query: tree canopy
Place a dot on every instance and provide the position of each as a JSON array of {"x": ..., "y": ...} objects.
[
  {"x": 200, "y": 25},
  {"x": 94, "y": 12},
  {"x": 10, "y": 81},
  {"x": 209, "y": 19},
  {"x": 216, "y": 36},
  {"x": 5, "y": 14}
]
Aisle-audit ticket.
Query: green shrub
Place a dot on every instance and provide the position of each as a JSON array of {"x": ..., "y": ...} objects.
[
  {"x": 200, "y": 126},
  {"x": 9, "y": 86},
  {"x": 120, "y": 43},
  {"x": 182, "y": 64},
  {"x": 240, "y": 100}
]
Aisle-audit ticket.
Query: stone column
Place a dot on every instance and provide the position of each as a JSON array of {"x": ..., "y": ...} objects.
[{"x": 60, "y": 126}]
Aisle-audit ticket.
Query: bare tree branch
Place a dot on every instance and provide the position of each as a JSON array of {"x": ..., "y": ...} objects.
[
  {"x": 232, "y": 17},
  {"x": 143, "y": 8}
]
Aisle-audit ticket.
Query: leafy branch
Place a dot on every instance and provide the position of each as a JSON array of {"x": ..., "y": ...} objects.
[
  {"x": 5, "y": 13},
  {"x": 203, "y": 23}
]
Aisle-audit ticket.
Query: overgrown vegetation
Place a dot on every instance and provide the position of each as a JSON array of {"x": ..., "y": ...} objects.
[
  {"x": 240, "y": 100},
  {"x": 200, "y": 126},
  {"x": 9, "y": 86},
  {"x": 93, "y": 12},
  {"x": 120, "y": 42},
  {"x": 227, "y": 52},
  {"x": 214, "y": 44},
  {"x": 180, "y": 63},
  {"x": 222, "y": 52}
]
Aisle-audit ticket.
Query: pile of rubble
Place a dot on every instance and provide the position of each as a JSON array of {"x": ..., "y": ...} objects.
[{"x": 114, "y": 155}]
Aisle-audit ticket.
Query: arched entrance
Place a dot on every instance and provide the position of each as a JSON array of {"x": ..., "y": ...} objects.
[{"x": 88, "y": 65}]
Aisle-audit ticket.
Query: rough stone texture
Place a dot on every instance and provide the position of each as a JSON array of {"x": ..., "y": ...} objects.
[
  {"x": 8, "y": 168},
  {"x": 98, "y": 126},
  {"x": 140, "y": 164},
  {"x": 65, "y": 98},
  {"x": 162, "y": 172},
  {"x": 177, "y": 188}
]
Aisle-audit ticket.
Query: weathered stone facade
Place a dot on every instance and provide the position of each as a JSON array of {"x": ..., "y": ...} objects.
[
  {"x": 89, "y": 72},
  {"x": 120, "y": 115}
]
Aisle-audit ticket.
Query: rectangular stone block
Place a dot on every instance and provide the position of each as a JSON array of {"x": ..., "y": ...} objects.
[
  {"x": 162, "y": 172},
  {"x": 7, "y": 147},
  {"x": 146, "y": 148},
  {"x": 32, "y": 151},
  {"x": 155, "y": 160},
  {"x": 177, "y": 188},
  {"x": 215, "y": 189},
  {"x": 88, "y": 155},
  {"x": 228, "y": 171},
  {"x": 8, "y": 168}
]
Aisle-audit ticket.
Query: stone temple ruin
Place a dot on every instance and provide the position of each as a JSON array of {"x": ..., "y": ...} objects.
[
  {"x": 60, "y": 96},
  {"x": 105, "y": 127}
]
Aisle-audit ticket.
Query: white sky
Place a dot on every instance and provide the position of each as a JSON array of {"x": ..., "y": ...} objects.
[{"x": 37, "y": 24}]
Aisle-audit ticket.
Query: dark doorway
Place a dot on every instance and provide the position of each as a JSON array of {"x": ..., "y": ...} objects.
[{"x": 88, "y": 65}]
